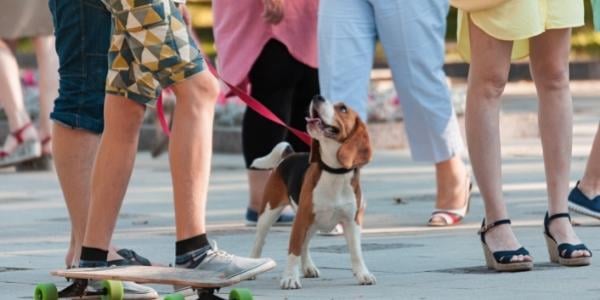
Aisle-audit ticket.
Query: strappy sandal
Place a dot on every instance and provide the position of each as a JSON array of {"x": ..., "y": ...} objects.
[
  {"x": 42, "y": 163},
  {"x": 562, "y": 253},
  {"x": 24, "y": 151},
  {"x": 452, "y": 216},
  {"x": 501, "y": 261}
]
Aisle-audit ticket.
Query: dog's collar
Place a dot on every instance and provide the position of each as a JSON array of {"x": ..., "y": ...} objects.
[{"x": 331, "y": 170}]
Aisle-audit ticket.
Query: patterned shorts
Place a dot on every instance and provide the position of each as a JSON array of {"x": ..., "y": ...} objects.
[{"x": 150, "y": 49}]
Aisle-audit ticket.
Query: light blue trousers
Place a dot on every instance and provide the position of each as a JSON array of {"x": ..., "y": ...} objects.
[{"x": 412, "y": 33}]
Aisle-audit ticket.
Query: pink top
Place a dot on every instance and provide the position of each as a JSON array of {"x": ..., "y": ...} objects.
[{"x": 241, "y": 33}]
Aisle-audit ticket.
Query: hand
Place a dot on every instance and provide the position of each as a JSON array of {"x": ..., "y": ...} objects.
[{"x": 273, "y": 13}]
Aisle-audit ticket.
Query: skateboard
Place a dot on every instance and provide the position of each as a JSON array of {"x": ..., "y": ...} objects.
[{"x": 203, "y": 283}]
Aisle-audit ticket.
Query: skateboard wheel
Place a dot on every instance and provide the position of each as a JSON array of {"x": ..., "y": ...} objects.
[
  {"x": 114, "y": 290},
  {"x": 240, "y": 294},
  {"x": 45, "y": 291},
  {"x": 174, "y": 297}
]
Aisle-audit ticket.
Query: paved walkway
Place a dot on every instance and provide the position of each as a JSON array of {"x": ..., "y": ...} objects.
[{"x": 411, "y": 261}]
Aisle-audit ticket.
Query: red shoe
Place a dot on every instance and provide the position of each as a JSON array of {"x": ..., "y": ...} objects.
[{"x": 25, "y": 150}]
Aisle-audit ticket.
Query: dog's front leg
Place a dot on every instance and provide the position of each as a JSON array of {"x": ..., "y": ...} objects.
[
  {"x": 308, "y": 266},
  {"x": 291, "y": 275},
  {"x": 352, "y": 235}
]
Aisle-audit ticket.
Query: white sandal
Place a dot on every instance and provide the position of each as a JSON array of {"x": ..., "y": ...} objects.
[{"x": 451, "y": 216}]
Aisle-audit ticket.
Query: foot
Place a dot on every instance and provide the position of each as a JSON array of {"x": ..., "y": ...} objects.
[
  {"x": 562, "y": 231},
  {"x": 310, "y": 270},
  {"x": 128, "y": 257},
  {"x": 447, "y": 216},
  {"x": 116, "y": 257},
  {"x": 365, "y": 277},
  {"x": 228, "y": 265},
  {"x": 453, "y": 191},
  {"x": 502, "y": 238},
  {"x": 290, "y": 280},
  {"x": 285, "y": 219},
  {"x": 21, "y": 145},
  {"x": 585, "y": 199}
]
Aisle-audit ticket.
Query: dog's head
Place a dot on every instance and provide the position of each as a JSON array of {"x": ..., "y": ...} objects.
[{"x": 340, "y": 138}]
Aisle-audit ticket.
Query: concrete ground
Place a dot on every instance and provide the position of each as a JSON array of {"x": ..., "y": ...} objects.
[{"x": 410, "y": 260}]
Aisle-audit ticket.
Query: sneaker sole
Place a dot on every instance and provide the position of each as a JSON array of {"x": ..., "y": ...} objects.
[{"x": 584, "y": 210}]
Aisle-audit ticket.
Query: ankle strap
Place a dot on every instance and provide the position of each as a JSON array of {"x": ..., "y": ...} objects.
[
  {"x": 18, "y": 134},
  {"x": 557, "y": 216},
  {"x": 486, "y": 228}
]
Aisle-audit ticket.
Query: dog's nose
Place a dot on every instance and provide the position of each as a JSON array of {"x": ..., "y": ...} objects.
[{"x": 318, "y": 98}]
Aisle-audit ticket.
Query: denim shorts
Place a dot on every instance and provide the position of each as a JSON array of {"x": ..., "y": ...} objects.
[
  {"x": 82, "y": 30},
  {"x": 150, "y": 49}
]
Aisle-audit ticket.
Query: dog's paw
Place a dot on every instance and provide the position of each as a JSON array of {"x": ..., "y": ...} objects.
[
  {"x": 290, "y": 282},
  {"x": 365, "y": 278},
  {"x": 311, "y": 271}
]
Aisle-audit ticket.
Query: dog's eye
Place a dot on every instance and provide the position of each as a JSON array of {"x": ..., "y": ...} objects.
[{"x": 343, "y": 109}]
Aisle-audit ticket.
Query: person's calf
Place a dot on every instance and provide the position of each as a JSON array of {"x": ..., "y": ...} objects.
[
  {"x": 190, "y": 151},
  {"x": 451, "y": 177},
  {"x": 112, "y": 168}
]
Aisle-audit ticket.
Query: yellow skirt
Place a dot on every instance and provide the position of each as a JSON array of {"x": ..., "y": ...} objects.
[{"x": 519, "y": 20}]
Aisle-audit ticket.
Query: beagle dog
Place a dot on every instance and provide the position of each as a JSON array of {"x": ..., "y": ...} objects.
[{"x": 323, "y": 186}]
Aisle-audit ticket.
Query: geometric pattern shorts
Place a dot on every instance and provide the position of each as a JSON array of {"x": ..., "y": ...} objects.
[{"x": 150, "y": 49}]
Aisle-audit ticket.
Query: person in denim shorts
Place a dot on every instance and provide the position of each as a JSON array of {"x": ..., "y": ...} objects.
[
  {"x": 151, "y": 49},
  {"x": 82, "y": 30}
]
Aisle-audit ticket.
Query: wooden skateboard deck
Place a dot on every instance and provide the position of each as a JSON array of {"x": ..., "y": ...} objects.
[{"x": 204, "y": 283}]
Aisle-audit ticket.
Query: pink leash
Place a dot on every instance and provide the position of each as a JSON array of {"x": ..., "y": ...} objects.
[{"x": 249, "y": 100}]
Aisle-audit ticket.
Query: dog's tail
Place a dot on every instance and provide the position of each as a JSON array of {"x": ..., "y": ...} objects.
[{"x": 271, "y": 160}]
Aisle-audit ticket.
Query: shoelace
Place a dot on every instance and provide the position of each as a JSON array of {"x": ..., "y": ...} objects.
[{"x": 215, "y": 249}]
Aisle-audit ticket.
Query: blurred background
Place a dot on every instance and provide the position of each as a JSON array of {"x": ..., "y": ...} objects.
[{"x": 383, "y": 103}]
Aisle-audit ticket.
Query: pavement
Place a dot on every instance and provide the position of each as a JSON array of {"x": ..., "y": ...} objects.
[{"x": 410, "y": 260}]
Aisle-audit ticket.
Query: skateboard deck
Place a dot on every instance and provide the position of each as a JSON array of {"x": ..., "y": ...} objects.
[
  {"x": 150, "y": 274},
  {"x": 204, "y": 283}
]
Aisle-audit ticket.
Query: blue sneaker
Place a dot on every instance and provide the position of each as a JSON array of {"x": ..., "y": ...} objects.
[
  {"x": 580, "y": 203},
  {"x": 285, "y": 219}
]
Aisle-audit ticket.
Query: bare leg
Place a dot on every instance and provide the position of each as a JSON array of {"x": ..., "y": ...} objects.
[
  {"x": 12, "y": 97},
  {"x": 190, "y": 151},
  {"x": 10, "y": 85},
  {"x": 256, "y": 182},
  {"x": 112, "y": 168},
  {"x": 47, "y": 61},
  {"x": 74, "y": 152},
  {"x": 550, "y": 68},
  {"x": 487, "y": 78},
  {"x": 590, "y": 183}
]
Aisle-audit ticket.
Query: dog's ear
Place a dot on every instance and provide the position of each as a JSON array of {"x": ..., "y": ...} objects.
[
  {"x": 356, "y": 149},
  {"x": 315, "y": 151}
]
